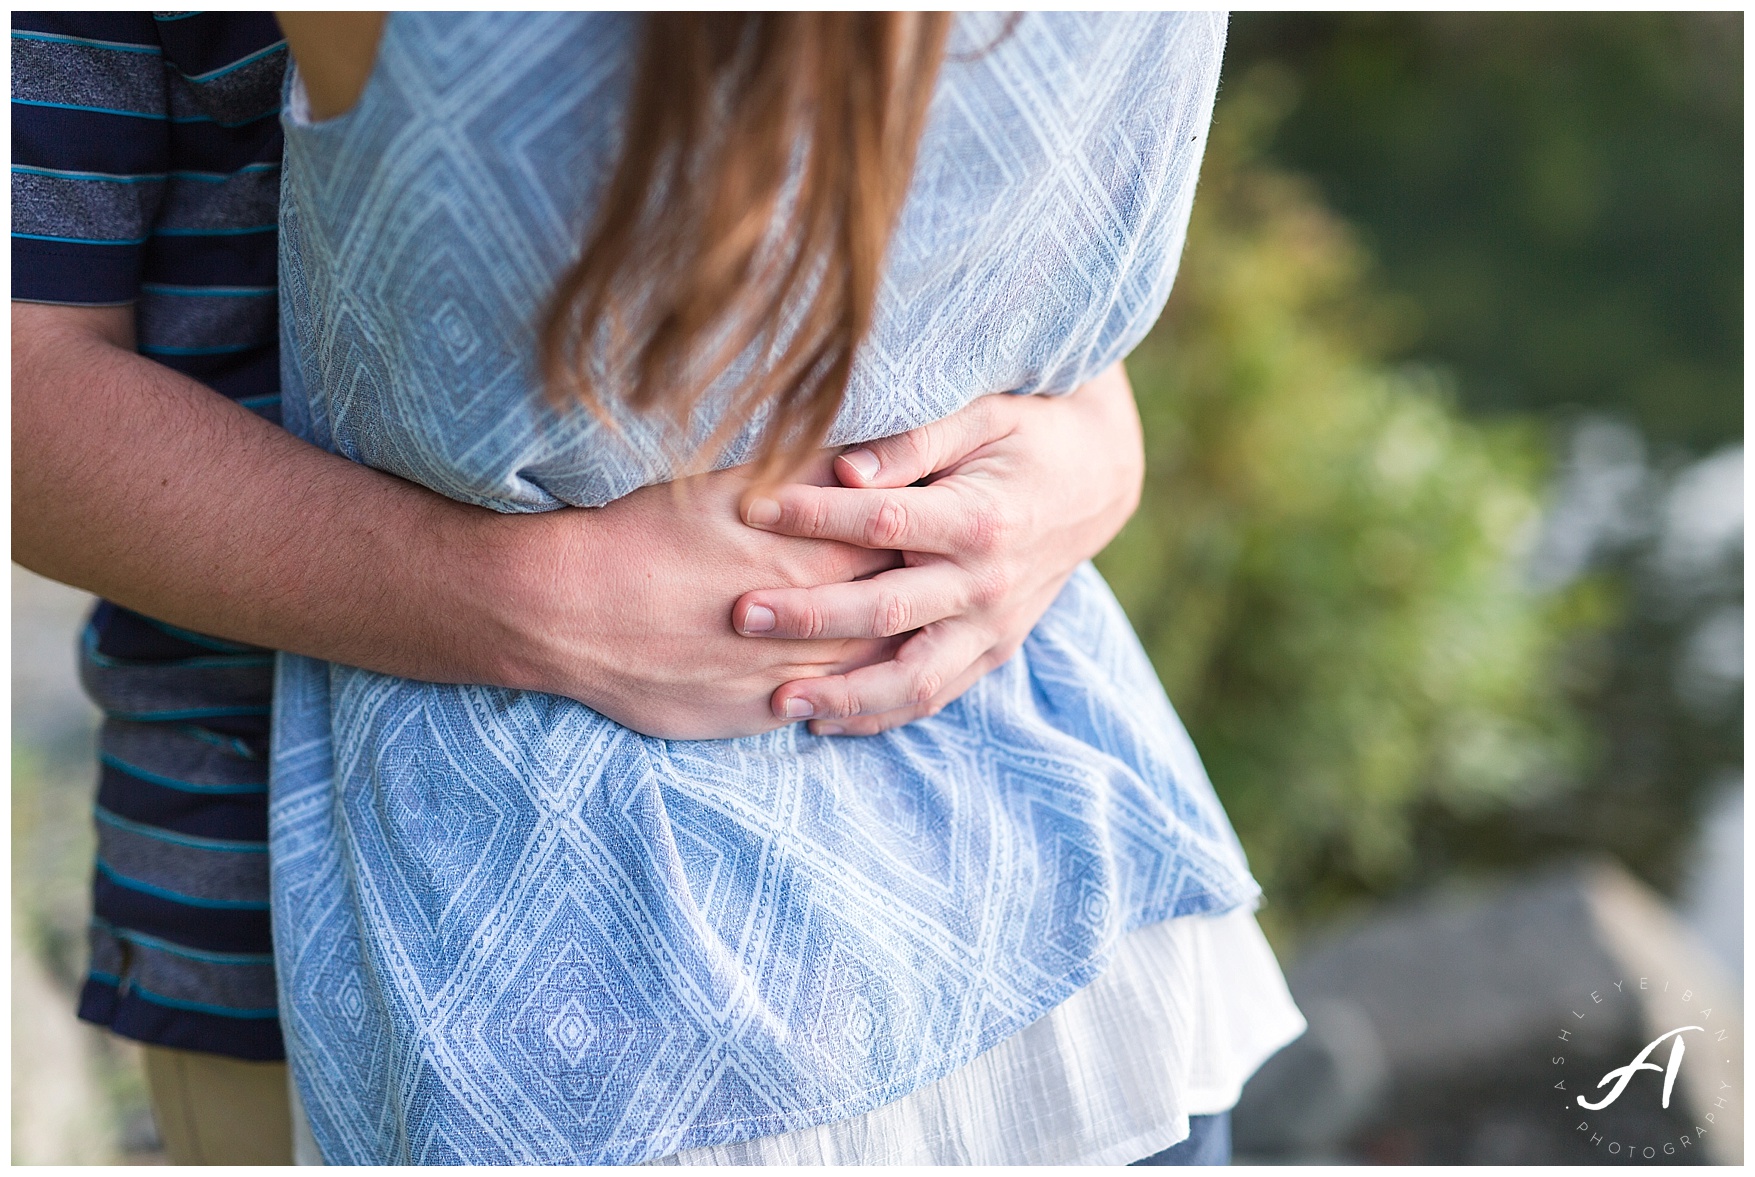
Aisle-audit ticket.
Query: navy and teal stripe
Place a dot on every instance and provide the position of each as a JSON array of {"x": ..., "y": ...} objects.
[
  {"x": 220, "y": 814},
  {"x": 254, "y": 57},
  {"x": 146, "y": 154},
  {"x": 146, "y": 159},
  {"x": 240, "y": 789},
  {"x": 150, "y": 909},
  {"x": 86, "y": 42},
  {"x": 155, "y": 944},
  {"x": 135, "y": 1015}
]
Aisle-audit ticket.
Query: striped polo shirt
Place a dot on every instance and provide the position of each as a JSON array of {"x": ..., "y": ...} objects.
[{"x": 146, "y": 172}]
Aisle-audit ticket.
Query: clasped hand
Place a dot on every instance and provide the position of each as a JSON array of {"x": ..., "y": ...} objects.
[{"x": 871, "y": 591}]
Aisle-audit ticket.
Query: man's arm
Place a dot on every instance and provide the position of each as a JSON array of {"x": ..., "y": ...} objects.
[
  {"x": 135, "y": 482},
  {"x": 139, "y": 484}
]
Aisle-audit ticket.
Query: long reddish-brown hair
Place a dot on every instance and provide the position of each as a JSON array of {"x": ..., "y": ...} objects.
[{"x": 766, "y": 158}]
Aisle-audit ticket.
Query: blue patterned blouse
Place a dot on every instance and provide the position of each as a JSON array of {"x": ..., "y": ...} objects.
[{"x": 511, "y": 930}]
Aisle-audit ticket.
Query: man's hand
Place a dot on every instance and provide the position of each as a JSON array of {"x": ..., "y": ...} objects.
[
  {"x": 1019, "y": 491},
  {"x": 135, "y": 482},
  {"x": 650, "y": 644}
]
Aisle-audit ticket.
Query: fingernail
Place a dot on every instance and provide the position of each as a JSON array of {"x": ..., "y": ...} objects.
[
  {"x": 758, "y": 619},
  {"x": 829, "y": 729},
  {"x": 864, "y": 462},
  {"x": 762, "y": 513},
  {"x": 797, "y": 708}
]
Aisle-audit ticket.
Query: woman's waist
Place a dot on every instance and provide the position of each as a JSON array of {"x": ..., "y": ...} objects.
[
  {"x": 1073, "y": 730},
  {"x": 1082, "y": 647}
]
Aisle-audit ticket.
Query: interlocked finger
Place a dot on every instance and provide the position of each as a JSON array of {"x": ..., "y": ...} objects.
[
  {"x": 937, "y": 655},
  {"x": 996, "y": 655},
  {"x": 871, "y": 725},
  {"x": 916, "y": 519},
  {"x": 885, "y": 605}
]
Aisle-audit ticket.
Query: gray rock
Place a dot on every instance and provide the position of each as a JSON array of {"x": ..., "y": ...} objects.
[{"x": 1434, "y": 1026}]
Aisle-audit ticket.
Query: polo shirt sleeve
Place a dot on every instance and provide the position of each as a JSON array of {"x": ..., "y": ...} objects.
[{"x": 90, "y": 154}]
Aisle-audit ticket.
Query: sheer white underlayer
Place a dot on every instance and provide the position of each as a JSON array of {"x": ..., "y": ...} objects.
[{"x": 1185, "y": 1013}]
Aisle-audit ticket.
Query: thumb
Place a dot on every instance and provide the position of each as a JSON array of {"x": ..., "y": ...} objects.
[{"x": 908, "y": 457}]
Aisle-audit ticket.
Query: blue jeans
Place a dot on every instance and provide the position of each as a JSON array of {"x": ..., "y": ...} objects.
[{"x": 1208, "y": 1143}]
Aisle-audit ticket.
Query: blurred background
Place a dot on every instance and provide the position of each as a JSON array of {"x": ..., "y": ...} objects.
[
  {"x": 1441, "y": 550},
  {"x": 78, "y": 1093},
  {"x": 1440, "y": 558}
]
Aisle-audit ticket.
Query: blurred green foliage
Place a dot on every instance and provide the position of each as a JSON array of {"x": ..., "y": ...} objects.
[
  {"x": 1558, "y": 197},
  {"x": 1554, "y": 202},
  {"x": 52, "y": 847},
  {"x": 1324, "y": 567},
  {"x": 1428, "y": 250}
]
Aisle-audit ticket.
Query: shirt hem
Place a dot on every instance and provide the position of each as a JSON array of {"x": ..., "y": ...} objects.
[{"x": 127, "y": 1015}]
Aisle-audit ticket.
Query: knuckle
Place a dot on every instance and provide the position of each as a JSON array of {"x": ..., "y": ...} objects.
[
  {"x": 924, "y": 684},
  {"x": 813, "y": 516},
  {"x": 811, "y": 622},
  {"x": 991, "y": 587},
  {"x": 988, "y": 531},
  {"x": 894, "y": 615},
  {"x": 846, "y": 704},
  {"x": 887, "y": 527}
]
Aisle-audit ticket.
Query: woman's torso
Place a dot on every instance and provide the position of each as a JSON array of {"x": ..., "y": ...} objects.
[
  {"x": 1038, "y": 243},
  {"x": 529, "y": 934}
]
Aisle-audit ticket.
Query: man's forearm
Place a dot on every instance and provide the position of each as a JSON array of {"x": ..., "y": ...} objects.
[
  {"x": 141, "y": 485},
  {"x": 137, "y": 483}
]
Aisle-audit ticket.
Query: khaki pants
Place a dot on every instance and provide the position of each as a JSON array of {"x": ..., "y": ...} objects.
[{"x": 213, "y": 1110}]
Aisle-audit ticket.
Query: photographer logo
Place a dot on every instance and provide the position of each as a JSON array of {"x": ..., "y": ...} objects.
[
  {"x": 1621, "y": 1076},
  {"x": 1667, "y": 1123}
]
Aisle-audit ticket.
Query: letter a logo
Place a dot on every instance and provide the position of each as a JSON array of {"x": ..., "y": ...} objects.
[{"x": 1621, "y": 1076}]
